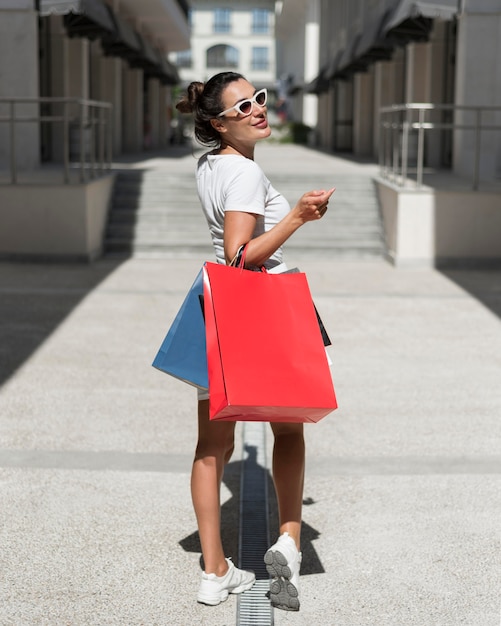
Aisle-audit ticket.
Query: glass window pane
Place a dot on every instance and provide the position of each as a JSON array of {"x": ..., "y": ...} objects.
[
  {"x": 183, "y": 58},
  {"x": 222, "y": 20},
  {"x": 260, "y": 21},
  {"x": 222, "y": 56},
  {"x": 260, "y": 60}
]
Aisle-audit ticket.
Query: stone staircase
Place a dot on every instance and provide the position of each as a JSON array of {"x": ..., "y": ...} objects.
[
  {"x": 156, "y": 213},
  {"x": 351, "y": 228}
]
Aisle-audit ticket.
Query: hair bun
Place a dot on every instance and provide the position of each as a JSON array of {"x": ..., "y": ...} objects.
[{"x": 189, "y": 101}]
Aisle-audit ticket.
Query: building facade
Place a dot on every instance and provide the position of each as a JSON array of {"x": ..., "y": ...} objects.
[
  {"x": 416, "y": 85},
  {"x": 81, "y": 81},
  {"x": 233, "y": 35}
]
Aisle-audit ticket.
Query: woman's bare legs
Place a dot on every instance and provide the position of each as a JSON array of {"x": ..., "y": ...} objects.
[
  {"x": 288, "y": 476},
  {"x": 214, "y": 449}
]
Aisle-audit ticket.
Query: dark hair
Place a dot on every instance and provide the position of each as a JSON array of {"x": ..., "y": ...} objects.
[{"x": 204, "y": 101}]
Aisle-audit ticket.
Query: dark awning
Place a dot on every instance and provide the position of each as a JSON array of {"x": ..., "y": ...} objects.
[
  {"x": 320, "y": 84},
  {"x": 413, "y": 20},
  {"x": 185, "y": 6},
  {"x": 92, "y": 18},
  {"x": 166, "y": 71},
  {"x": 82, "y": 18},
  {"x": 410, "y": 20},
  {"x": 124, "y": 42},
  {"x": 147, "y": 58},
  {"x": 333, "y": 65},
  {"x": 154, "y": 63},
  {"x": 350, "y": 62},
  {"x": 371, "y": 45}
]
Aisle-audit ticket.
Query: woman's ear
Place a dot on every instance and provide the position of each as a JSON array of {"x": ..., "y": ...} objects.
[{"x": 218, "y": 125}]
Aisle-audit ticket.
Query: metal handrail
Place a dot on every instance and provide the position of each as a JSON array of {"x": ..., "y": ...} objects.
[
  {"x": 92, "y": 114},
  {"x": 396, "y": 123}
]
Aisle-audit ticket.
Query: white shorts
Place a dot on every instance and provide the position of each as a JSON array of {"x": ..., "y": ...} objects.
[{"x": 202, "y": 394}]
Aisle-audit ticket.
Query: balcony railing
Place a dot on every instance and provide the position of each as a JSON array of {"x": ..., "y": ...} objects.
[
  {"x": 78, "y": 130},
  {"x": 401, "y": 123}
]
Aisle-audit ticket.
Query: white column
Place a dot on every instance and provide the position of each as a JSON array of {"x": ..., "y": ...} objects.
[
  {"x": 418, "y": 79},
  {"x": 59, "y": 79},
  {"x": 409, "y": 73},
  {"x": 111, "y": 91},
  {"x": 78, "y": 68},
  {"x": 378, "y": 103},
  {"x": 132, "y": 110},
  {"x": 363, "y": 104},
  {"x": 19, "y": 79},
  {"x": 478, "y": 82},
  {"x": 165, "y": 105},
  {"x": 437, "y": 63},
  {"x": 151, "y": 138},
  {"x": 78, "y": 86},
  {"x": 311, "y": 64}
]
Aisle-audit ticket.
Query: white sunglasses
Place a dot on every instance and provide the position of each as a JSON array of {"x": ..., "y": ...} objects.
[{"x": 245, "y": 106}]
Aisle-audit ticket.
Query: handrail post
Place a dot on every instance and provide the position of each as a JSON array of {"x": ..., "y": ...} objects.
[
  {"x": 405, "y": 145},
  {"x": 101, "y": 139},
  {"x": 82, "y": 146},
  {"x": 420, "y": 152},
  {"x": 389, "y": 147},
  {"x": 395, "y": 147},
  {"x": 66, "y": 143},
  {"x": 109, "y": 136},
  {"x": 381, "y": 145},
  {"x": 92, "y": 142},
  {"x": 13, "y": 164},
  {"x": 476, "y": 170}
]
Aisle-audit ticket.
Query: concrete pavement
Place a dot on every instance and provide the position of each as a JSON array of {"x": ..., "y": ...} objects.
[{"x": 403, "y": 484}]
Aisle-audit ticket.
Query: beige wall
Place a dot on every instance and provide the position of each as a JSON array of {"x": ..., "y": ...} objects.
[
  {"x": 19, "y": 79},
  {"x": 433, "y": 227},
  {"x": 54, "y": 221},
  {"x": 478, "y": 82}
]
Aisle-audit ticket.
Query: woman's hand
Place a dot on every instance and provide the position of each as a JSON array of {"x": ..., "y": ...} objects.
[{"x": 312, "y": 205}]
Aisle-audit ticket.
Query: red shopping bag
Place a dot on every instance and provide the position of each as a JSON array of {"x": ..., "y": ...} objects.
[{"x": 265, "y": 353}]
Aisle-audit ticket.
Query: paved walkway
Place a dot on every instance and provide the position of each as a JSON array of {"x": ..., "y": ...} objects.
[{"x": 403, "y": 485}]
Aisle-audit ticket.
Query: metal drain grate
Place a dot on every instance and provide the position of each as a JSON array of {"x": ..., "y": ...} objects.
[{"x": 253, "y": 607}]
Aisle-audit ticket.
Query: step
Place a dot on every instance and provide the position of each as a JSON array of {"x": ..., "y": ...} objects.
[{"x": 158, "y": 213}]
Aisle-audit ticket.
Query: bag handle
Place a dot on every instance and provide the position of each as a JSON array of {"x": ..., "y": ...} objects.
[{"x": 239, "y": 258}]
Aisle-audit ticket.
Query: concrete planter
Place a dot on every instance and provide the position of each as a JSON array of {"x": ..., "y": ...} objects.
[
  {"x": 42, "y": 221},
  {"x": 438, "y": 227}
]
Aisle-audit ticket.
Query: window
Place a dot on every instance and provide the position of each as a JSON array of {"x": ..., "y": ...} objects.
[
  {"x": 222, "y": 56},
  {"x": 222, "y": 20},
  {"x": 260, "y": 59},
  {"x": 183, "y": 58},
  {"x": 260, "y": 21}
]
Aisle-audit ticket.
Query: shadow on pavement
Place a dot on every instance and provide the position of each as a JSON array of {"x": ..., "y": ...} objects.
[
  {"x": 230, "y": 512},
  {"x": 175, "y": 151},
  {"x": 34, "y": 299},
  {"x": 484, "y": 285}
]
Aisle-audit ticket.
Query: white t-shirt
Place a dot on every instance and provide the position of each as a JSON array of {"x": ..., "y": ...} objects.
[{"x": 230, "y": 182}]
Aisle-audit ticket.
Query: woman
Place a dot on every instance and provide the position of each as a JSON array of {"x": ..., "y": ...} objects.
[{"x": 242, "y": 207}]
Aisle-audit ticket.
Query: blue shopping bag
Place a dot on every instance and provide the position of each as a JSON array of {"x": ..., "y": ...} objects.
[{"x": 183, "y": 352}]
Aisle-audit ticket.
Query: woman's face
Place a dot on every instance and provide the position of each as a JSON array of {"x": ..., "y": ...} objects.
[{"x": 237, "y": 127}]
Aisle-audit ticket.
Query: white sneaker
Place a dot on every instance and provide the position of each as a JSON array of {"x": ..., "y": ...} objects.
[
  {"x": 215, "y": 589},
  {"x": 283, "y": 562}
]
